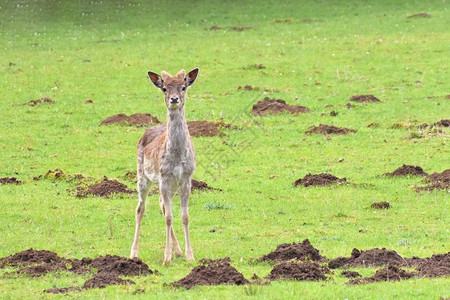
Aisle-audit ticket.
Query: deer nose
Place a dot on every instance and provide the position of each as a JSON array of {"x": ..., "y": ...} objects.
[{"x": 174, "y": 100}]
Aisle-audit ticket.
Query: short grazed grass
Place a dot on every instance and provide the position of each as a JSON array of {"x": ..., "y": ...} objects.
[{"x": 315, "y": 53}]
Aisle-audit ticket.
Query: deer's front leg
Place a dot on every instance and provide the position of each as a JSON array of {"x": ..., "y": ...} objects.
[
  {"x": 168, "y": 216},
  {"x": 185, "y": 193}
]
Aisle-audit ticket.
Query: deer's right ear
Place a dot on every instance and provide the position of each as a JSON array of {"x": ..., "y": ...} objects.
[{"x": 156, "y": 79}]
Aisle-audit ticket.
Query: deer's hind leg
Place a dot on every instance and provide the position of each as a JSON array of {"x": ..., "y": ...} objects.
[
  {"x": 175, "y": 245},
  {"x": 143, "y": 188}
]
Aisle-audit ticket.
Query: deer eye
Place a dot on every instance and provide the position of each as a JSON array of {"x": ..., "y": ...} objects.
[
  {"x": 164, "y": 90},
  {"x": 183, "y": 88}
]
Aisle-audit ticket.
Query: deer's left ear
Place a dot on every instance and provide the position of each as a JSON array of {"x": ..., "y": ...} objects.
[{"x": 191, "y": 76}]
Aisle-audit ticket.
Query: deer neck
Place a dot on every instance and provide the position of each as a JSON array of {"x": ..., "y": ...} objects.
[{"x": 177, "y": 133}]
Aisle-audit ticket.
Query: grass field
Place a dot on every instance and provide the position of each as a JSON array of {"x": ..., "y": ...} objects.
[{"x": 315, "y": 53}]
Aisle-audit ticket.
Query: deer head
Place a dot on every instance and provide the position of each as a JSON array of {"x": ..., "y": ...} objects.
[{"x": 174, "y": 87}]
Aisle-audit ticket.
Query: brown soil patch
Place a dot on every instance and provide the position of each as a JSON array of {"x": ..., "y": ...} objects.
[
  {"x": 443, "y": 123},
  {"x": 205, "y": 128},
  {"x": 286, "y": 252},
  {"x": 259, "y": 66},
  {"x": 298, "y": 271},
  {"x": 349, "y": 106},
  {"x": 381, "y": 205},
  {"x": 370, "y": 258},
  {"x": 66, "y": 290},
  {"x": 276, "y": 106},
  {"x": 9, "y": 180},
  {"x": 135, "y": 120},
  {"x": 39, "y": 101},
  {"x": 257, "y": 88},
  {"x": 202, "y": 186},
  {"x": 322, "y": 179},
  {"x": 105, "y": 188},
  {"x": 364, "y": 98},
  {"x": 101, "y": 280},
  {"x": 390, "y": 273},
  {"x": 420, "y": 15},
  {"x": 435, "y": 266},
  {"x": 350, "y": 274},
  {"x": 406, "y": 170},
  {"x": 40, "y": 262},
  {"x": 329, "y": 129},
  {"x": 212, "y": 272},
  {"x": 437, "y": 181},
  {"x": 240, "y": 28},
  {"x": 59, "y": 174},
  {"x": 214, "y": 27}
]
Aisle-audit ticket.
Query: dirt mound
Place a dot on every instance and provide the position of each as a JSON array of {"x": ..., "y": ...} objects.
[
  {"x": 257, "y": 88},
  {"x": 40, "y": 262},
  {"x": 202, "y": 186},
  {"x": 118, "y": 265},
  {"x": 135, "y": 120},
  {"x": 322, "y": 179},
  {"x": 436, "y": 266},
  {"x": 212, "y": 272},
  {"x": 370, "y": 258},
  {"x": 205, "y": 128},
  {"x": 381, "y": 205},
  {"x": 298, "y": 271},
  {"x": 406, "y": 170},
  {"x": 104, "y": 189},
  {"x": 443, "y": 123},
  {"x": 39, "y": 101},
  {"x": 329, "y": 129},
  {"x": 30, "y": 257},
  {"x": 9, "y": 180},
  {"x": 439, "y": 181},
  {"x": 364, "y": 98},
  {"x": 390, "y": 273},
  {"x": 420, "y": 15},
  {"x": 103, "y": 279},
  {"x": 66, "y": 290},
  {"x": 59, "y": 174},
  {"x": 350, "y": 274},
  {"x": 285, "y": 252},
  {"x": 276, "y": 106}
]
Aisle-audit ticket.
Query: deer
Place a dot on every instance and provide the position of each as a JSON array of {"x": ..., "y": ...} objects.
[{"x": 166, "y": 157}]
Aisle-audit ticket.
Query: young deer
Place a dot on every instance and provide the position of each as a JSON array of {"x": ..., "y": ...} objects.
[{"x": 166, "y": 156}]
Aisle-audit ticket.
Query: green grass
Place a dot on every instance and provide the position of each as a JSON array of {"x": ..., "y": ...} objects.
[{"x": 324, "y": 53}]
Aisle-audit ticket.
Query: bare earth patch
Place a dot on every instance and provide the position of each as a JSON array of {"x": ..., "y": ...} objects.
[
  {"x": 390, "y": 273},
  {"x": 286, "y": 252},
  {"x": 329, "y": 129},
  {"x": 370, "y": 258},
  {"x": 206, "y": 128},
  {"x": 202, "y": 186},
  {"x": 135, "y": 120},
  {"x": 364, "y": 98},
  {"x": 406, "y": 170},
  {"x": 109, "y": 267},
  {"x": 350, "y": 274},
  {"x": 443, "y": 123},
  {"x": 10, "y": 180},
  {"x": 257, "y": 88},
  {"x": 381, "y": 205},
  {"x": 276, "y": 106},
  {"x": 212, "y": 272},
  {"x": 322, "y": 179},
  {"x": 298, "y": 271},
  {"x": 39, "y": 101},
  {"x": 420, "y": 15},
  {"x": 104, "y": 188},
  {"x": 436, "y": 181}
]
